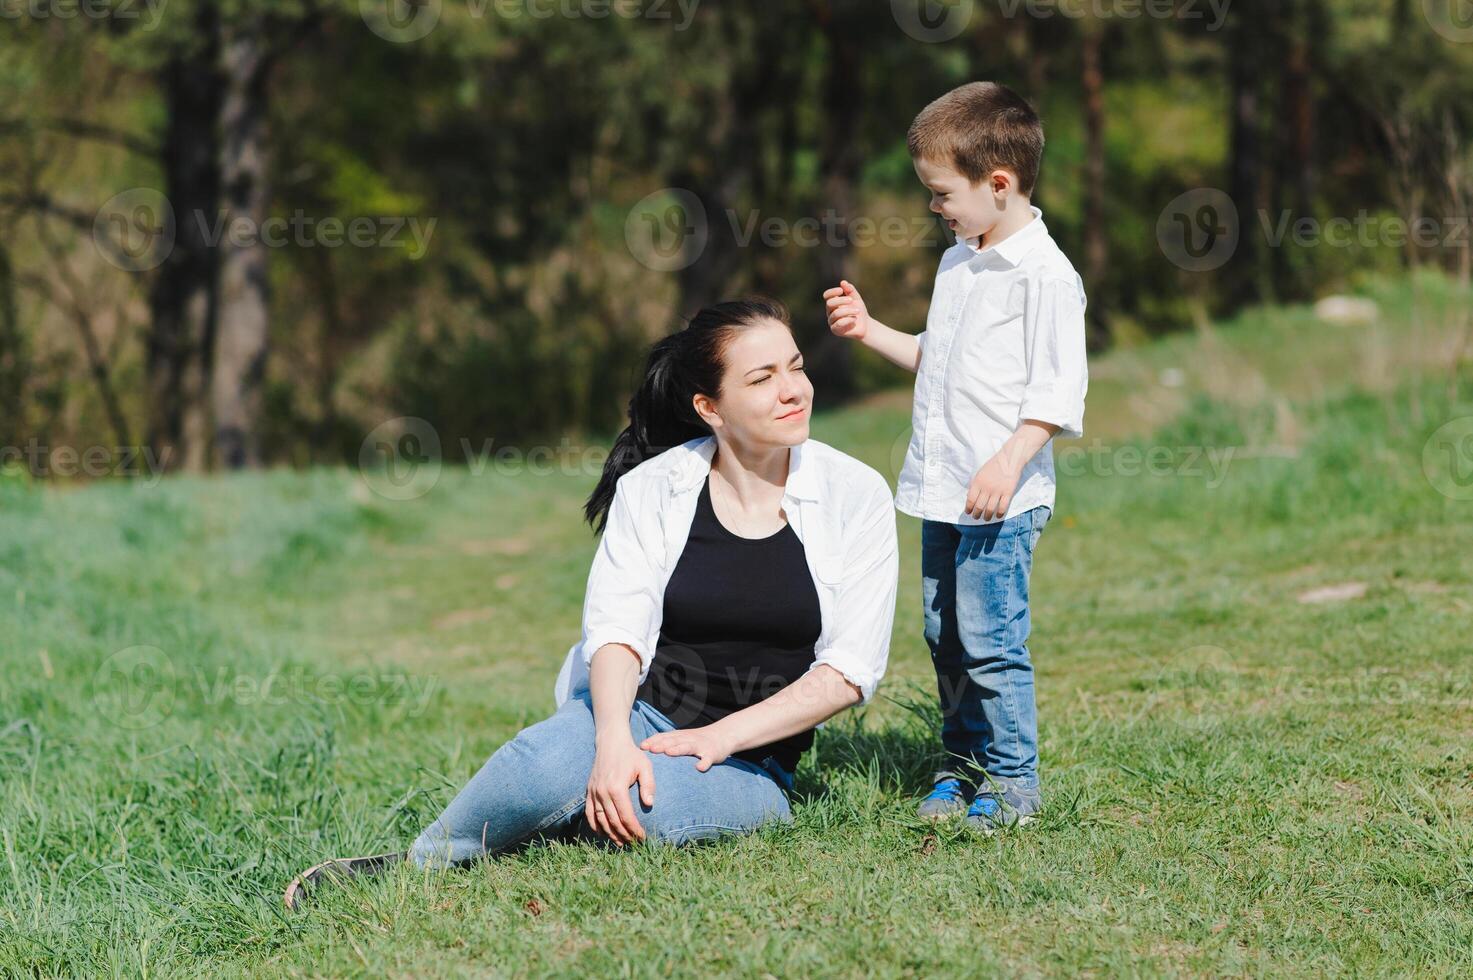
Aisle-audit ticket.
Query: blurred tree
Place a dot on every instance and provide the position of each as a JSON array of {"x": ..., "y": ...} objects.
[
  {"x": 1247, "y": 69},
  {"x": 12, "y": 357},
  {"x": 521, "y": 143},
  {"x": 183, "y": 300},
  {"x": 1096, "y": 238}
]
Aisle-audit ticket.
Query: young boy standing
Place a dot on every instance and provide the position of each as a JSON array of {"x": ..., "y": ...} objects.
[{"x": 1000, "y": 370}]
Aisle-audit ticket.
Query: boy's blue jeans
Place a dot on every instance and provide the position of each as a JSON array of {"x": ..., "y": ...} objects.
[
  {"x": 974, "y": 579},
  {"x": 536, "y": 785}
]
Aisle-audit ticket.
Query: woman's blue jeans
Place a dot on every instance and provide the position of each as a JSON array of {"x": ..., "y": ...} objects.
[{"x": 536, "y": 784}]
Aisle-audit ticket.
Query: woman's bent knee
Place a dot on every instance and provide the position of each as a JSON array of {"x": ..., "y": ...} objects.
[
  {"x": 530, "y": 784},
  {"x": 691, "y": 805}
]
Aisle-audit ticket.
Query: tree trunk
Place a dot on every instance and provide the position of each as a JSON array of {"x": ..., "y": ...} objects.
[
  {"x": 332, "y": 335},
  {"x": 1244, "y": 43},
  {"x": 244, "y": 292},
  {"x": 1292, "y": 191},
  {"x": 182, "y": 300},
  {"x": 840, "y": 162},
  {"x": 12, "y": 359},
  {"x": 704, "y": 281},
  {"x": 1096, "y": 251},
  {"x": 722, "y": 177},
  {"x": 1300, "y": 105}
]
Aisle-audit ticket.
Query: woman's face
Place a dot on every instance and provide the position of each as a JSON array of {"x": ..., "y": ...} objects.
[{"x": 766, "y": 398}]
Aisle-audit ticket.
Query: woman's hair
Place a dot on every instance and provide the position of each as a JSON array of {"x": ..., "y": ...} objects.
[{"x": 688, "y": 362}]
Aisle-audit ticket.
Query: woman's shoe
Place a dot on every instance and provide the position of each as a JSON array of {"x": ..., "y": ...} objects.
[{"x": 337, "y": 870}]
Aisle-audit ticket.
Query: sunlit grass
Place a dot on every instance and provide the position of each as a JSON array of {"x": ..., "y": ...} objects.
[{"x": 1238, "y": 781}]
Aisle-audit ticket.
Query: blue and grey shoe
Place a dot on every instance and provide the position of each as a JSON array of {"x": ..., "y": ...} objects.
[
  {"x": 949, "y": 796},
  {"x": 1002, "y": 803}
]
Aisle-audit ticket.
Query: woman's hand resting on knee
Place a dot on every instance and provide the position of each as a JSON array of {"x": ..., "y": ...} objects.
[
  {"x": 618, "y": 764},
  {"x": 706, "y": 743}
]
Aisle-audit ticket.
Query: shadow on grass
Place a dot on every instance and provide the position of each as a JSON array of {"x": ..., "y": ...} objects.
[{"x": 900, "y": 758}]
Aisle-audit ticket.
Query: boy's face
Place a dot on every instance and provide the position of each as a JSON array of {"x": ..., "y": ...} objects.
[{"x": 970, "y": 210}]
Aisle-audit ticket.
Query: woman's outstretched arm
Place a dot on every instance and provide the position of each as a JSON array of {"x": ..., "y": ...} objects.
[
  {"x": 613, "y": 680},
  {"x": 816, "y": 696}
]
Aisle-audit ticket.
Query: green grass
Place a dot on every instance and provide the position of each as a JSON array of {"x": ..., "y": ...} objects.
[{"x": 1238, "y": 782}]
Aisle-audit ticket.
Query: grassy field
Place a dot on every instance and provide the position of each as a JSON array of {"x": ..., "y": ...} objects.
[{"x": 1252, "y": 635}]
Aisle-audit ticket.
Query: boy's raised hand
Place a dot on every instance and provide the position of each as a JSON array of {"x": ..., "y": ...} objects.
[{"x": 848, "y": 316}]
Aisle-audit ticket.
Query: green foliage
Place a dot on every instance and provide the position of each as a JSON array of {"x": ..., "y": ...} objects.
[{"x": 528, "y": 140}]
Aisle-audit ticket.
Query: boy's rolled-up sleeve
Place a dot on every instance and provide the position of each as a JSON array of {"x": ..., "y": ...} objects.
[
  {"x": 623, "y": 599},
  {"x": 859, "y": 645},
  {"x": 1057, "y": 373}
]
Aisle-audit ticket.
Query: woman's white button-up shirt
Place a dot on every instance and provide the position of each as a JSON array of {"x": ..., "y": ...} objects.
[{"x": 840, "y": 508}]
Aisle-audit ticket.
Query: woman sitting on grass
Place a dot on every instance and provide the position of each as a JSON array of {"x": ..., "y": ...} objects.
[{"x": 742, "y": 593}]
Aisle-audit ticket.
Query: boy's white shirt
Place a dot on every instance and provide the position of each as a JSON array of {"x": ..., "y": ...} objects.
[
  {"x": 840, "y": 509},
  {"x": 1004, "y": 342}
]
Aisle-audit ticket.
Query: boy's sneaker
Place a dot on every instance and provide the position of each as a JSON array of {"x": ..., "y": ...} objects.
[
  {"x": 949, "y": 796},
  {"x": 1002, "y": 804}
]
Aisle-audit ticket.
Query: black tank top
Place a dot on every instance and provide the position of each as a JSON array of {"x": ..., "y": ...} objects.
[{"x": 741, "y": 619}]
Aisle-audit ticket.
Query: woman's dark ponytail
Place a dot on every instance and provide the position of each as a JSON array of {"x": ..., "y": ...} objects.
[{"x": 679, "y": 367}]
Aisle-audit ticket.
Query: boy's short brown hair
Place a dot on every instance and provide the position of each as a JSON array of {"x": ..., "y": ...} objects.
[{"x": 978, "y": 128}]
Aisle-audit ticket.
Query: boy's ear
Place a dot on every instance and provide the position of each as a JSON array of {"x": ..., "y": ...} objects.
[{"x": 1002, "y": 181}]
